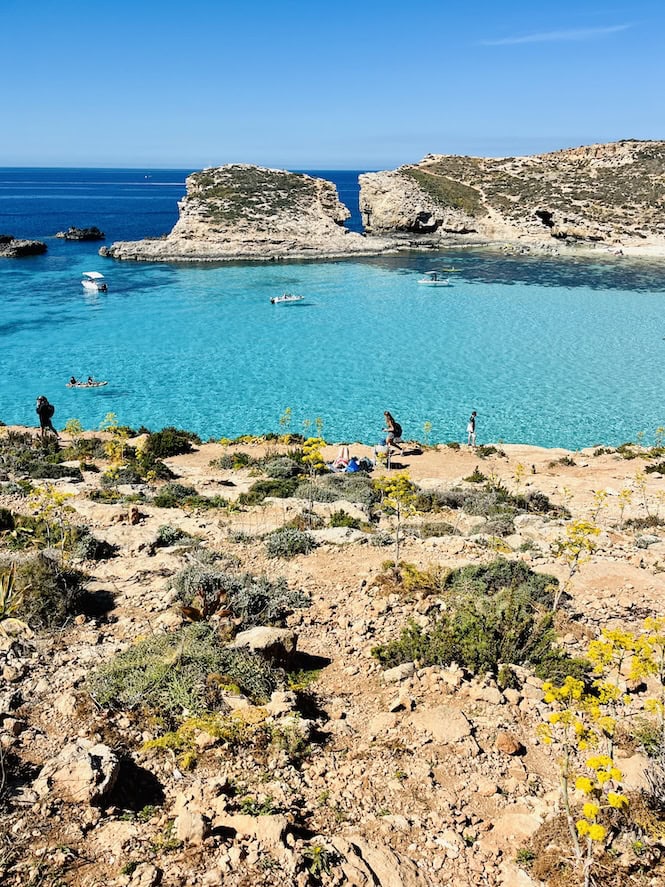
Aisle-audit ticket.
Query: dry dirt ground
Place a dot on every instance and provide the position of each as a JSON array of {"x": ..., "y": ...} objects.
[{"x": 437, "y": 778}]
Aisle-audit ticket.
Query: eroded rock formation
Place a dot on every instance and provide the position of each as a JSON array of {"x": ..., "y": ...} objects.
[
  {"x": 611, "y": 194},
  {"x": 14, "y": 248},
  {"x": 241, "y": 211}
]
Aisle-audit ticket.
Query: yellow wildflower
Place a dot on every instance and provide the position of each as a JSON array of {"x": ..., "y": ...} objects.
[
  {"x": 582, "y": 827},
  {"x": 597, "y": 832},
  {"x": 617, "y": 801},
  {"x": 584, "y": 784},
  {"x": 591, "y": 810}
]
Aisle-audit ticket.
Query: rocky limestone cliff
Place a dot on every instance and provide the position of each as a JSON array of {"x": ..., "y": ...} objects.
[
  {"x": 240, "y": 211},
  {"x": 611, "y": 194}
]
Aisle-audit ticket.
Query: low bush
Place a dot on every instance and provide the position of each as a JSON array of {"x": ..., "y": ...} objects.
[
  {"x": 476, "y": 477},
  {"x": 288, "y": 542},
  {"x": 658, "y": 467},
  {"x": 492, "y": 499},
  {"x": 125, "y": 474},
  {"x": 175, "y": 495},
  {"x": 45, "y": 594},
  {"x": 181, "y": 672},
  {"x": 251, "y": 600},
  {"x": 453, "y": 445},
  {"x": 282, "y": 467},
  {"x": 484, "y": 451},
  {"x": 168, "y": 536},
  {"x": 357, "y": 488},
  {"x": 436, "y": 528},
  {"x": 645, "y": 523},
  {"x": 233, "y": 461},
  {"x": 499, "y": 525},
  {"x": 280, "y": 488},
  {"x": 169, "y": 441},
  {"x": 495, "y": 614},
  {"x": 90, "y": 548},
  {"x": 342, "y": 519}
]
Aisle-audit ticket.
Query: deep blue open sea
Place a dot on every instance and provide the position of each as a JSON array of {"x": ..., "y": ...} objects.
[{"x": 556, "y": 352}]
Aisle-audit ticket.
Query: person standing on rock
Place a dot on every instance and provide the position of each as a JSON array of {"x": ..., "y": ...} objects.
[
  {"x": 45, "y": 411},
  {"x": 471, "y": 430}
]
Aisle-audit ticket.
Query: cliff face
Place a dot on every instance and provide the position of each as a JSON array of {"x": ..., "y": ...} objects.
[
  {"x": 612, "y": 194},
  {"x": 239, "y": 211}
]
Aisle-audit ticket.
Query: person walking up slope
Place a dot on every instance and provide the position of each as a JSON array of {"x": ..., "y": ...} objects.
[{"x": 471, "y": 430}]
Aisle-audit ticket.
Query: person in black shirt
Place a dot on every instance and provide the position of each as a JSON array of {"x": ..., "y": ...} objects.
[{"x": 45, "y": 411}]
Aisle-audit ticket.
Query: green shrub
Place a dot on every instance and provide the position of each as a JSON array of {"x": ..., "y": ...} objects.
[
  {"x": 496, "y": 614},
  {"x": 342, "y": 519},
  {"x": 645, "y": 523},
  {"x": 476, "y": 477},
  {"x": 288, "y": 542},
  {"x": 89, "y": 548},
  {"x": 252, "y": 600},
  {"x": 499, "y": 525},
  {"x": 453, "y": 445},
  {"x": 659, "y": 467},
  {"x": 484, "y": 451},
  {"x": 173, "y": 495},
  {"x": 126, "y": 474},
  {"x": 48, "y": 594},
  {"x": 180, "y": 672},
  {"x": 169, "y": 441},
  {"x": 233, "y": 461},
  {"x": 280, "y": 488},
  {"x": 282, "y": 467},
  {"x": 357, "y": 488},
  {"x": 168, "y": 536},
  {"x": 437, "y": 528}
]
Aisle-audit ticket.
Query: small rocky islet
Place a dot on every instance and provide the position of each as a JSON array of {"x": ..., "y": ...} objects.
[
  {"x": 214, "y": 680},
  {"x": 591, "y": 199}
]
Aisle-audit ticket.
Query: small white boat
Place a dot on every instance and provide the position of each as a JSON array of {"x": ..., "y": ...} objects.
[
  {"x": 286, "y": 299},
  {"x": 434, "y": 278},
  {"x": 93, "y": 280}
]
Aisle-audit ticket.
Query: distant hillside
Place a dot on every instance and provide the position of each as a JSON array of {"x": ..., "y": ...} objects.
[{"x": 612, "y": 194}]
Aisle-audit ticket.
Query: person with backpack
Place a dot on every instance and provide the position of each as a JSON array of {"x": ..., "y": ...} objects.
[{"x": 45, "y": 411}]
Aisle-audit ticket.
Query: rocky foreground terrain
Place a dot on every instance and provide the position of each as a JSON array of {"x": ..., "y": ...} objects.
[
  {"x": 306, "y": 756},
  {"x": 597, "y": 197}
]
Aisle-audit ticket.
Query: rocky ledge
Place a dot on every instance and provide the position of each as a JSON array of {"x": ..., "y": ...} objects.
[
  {"x": 72, "y": 233},
  {"x": 240, "y": 211},
  {"x": 13, "y": 248},
  {"x": 608, "y": 195}
]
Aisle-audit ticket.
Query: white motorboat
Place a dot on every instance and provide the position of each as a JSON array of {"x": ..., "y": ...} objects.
[
  {"x": 286, "y": 299},
  {"x": 93, "y": 280},
  {"x": 434, "y": 278}
]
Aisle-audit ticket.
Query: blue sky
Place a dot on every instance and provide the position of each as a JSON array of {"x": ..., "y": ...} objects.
[{"x": 321, "y": 85}]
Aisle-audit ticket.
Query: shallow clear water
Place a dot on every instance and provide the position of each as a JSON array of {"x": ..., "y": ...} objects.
[{"x": 548, "y": 352}]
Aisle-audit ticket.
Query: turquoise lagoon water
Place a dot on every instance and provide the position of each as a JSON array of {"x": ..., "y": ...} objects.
[{"x": 549, "y": 352}]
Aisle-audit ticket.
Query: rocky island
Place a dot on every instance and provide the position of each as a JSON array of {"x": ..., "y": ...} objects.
[
  {"x": 15, "y": 248},
  {"x": 598, "y": 197},
  {"x": 239, "y": 211},
  {"x": 609, "y": 195},
  {"x": 74, "y": 233}
]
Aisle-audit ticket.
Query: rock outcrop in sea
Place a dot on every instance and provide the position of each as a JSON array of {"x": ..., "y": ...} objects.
[
  {"x": 73, "y": 233},
  {"x": 240, "y": 211},
  {"x": 14, "y": 248},
  {"x": 611, "y": 194}
]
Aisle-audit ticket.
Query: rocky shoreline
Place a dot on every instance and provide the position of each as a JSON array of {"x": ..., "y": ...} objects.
[
  {"x": 582, "y": 201},
  {"x": 353, "y": 772}
]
